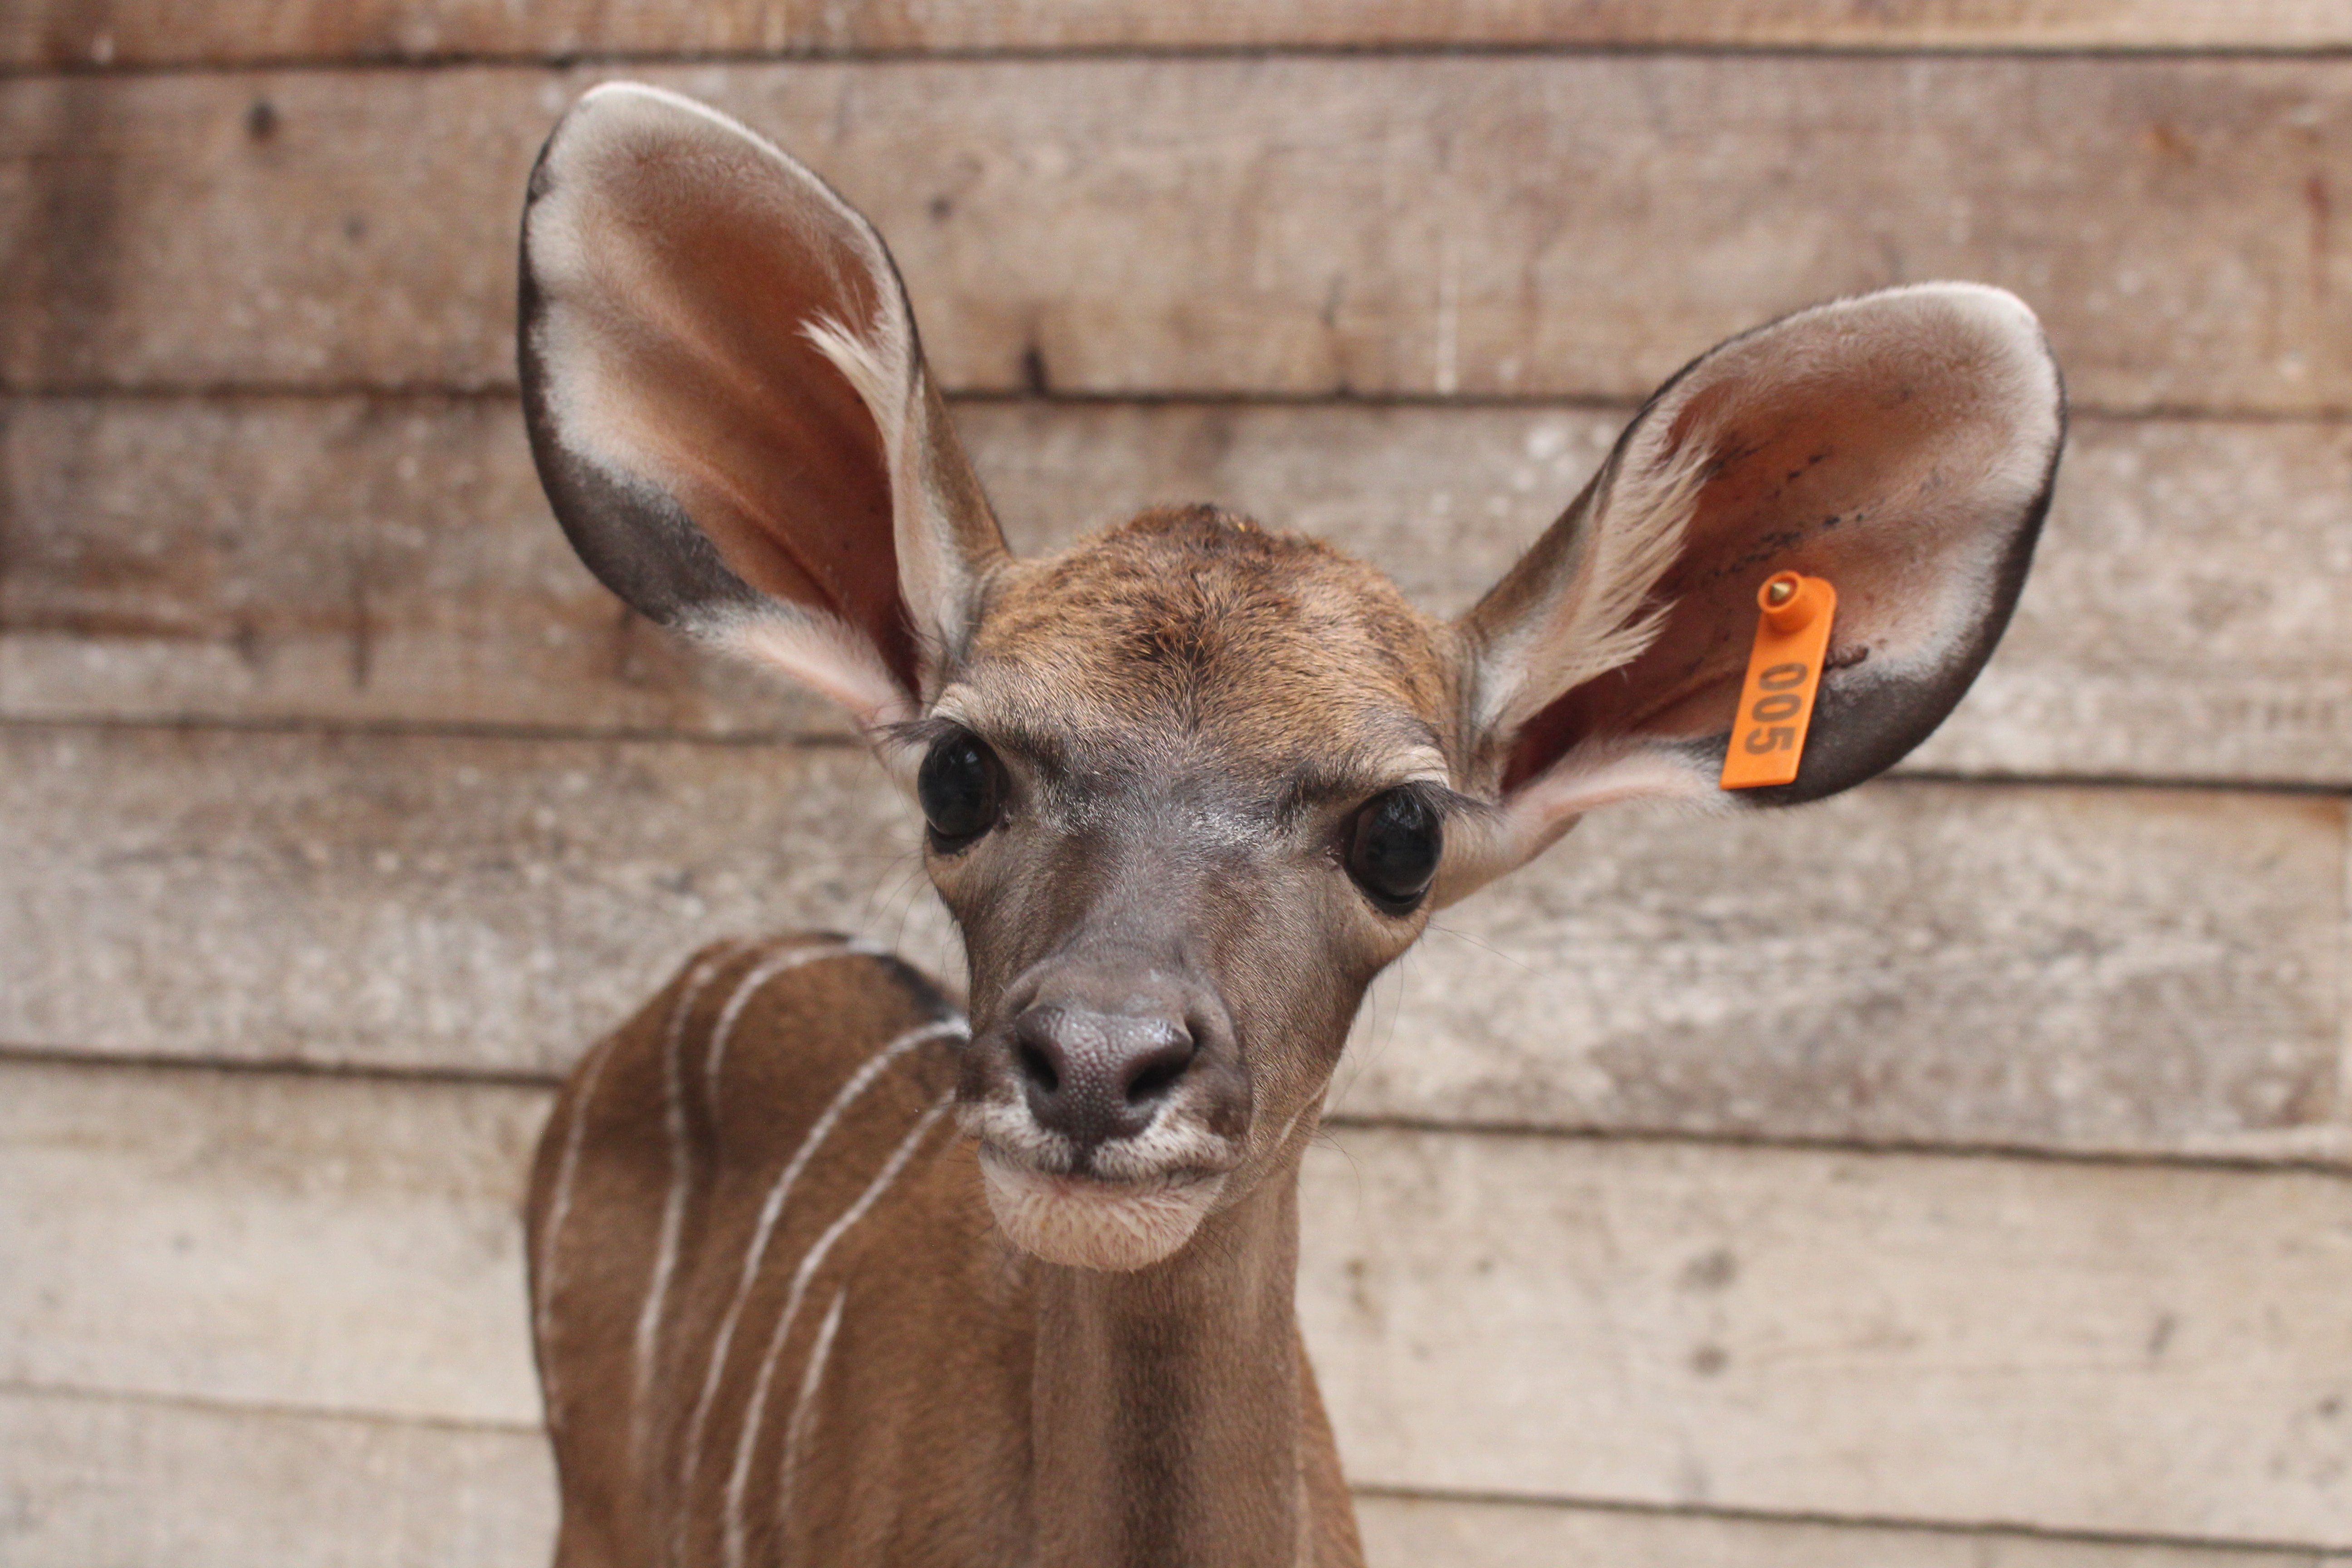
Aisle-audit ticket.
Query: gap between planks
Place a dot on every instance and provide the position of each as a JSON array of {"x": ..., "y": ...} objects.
[
  {"x": 80, "y": 1393},
  {"x": 1857, "y": 1521},
  {"x": 2324, "y": 415},
  {"x": 1172, "y": 54},
  {"x": 458, "y": 1077},
  {"x": 2235, "y": 1550},
  {"x": 792, "y": 740}
]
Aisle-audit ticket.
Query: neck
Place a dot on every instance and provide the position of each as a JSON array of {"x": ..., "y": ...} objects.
[{"x": 1166, "y": 1402}]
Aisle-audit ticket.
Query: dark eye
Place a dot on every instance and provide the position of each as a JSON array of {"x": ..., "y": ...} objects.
[
  {"x": 961, "y": 788},
  {"x": 1392, "y": 849}
]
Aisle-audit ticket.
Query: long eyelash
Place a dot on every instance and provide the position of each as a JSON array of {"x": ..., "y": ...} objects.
[
  {"x": 923, "y": 732},
  {"x": 1450, "y": 805}
]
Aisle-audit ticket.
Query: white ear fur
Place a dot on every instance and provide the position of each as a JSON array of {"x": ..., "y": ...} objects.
[
  {"x": 1598, "y": 614},
  {"x": 818, "y": 652},
  {"x": 940, "y": 586},
  {"x": 1597, "y": 774}
]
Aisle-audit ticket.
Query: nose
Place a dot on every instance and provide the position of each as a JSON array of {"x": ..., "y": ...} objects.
[{"x": 1093, "y": 1076}]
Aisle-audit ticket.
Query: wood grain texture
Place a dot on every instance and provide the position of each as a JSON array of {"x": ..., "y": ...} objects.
[
  {"x": 345, "y": 559},
  {"x": 2062, "y": 968},
  {"x": 416, "y": 901},
  {"x": 2144, "y": 1351},
  {"x": 1896, "y": 1337},
  {"x": 69, "y": 33},
  {"x": 391, "y": 559},
  {"x": 101, "y": 1482},
  {"x": 1575, "y": 226},
  {"x": 268, "y": 1239},
  {"x": 2192, "y": 598},
  {"x": 98, "y": 1482},
  {"x": 2153, "y": 971},
  {"x": 1422, "y": 1533}
]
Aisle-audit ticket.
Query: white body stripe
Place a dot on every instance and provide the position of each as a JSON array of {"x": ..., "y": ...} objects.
[
  {"x": 650, "y": 1314},
  {"x": 750, "y": 986},
  {"x": 559, "y": 1208},
  {"x": 770, "y": 1210},
  {"x": 804, "y": 1412},
  {"x": 739, "y": 1477}
]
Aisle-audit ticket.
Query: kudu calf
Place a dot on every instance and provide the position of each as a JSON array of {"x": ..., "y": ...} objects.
[{"x": 823, "y": 1275}]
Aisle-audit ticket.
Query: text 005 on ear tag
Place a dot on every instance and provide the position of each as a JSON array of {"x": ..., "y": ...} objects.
[{"x": 1784, "y": 675}]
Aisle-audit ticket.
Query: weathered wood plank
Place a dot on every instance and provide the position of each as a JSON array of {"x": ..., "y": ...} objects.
[
  {"x": 1498, "y": 225},
  {"x": 263, "y": 1238},
  {"x": 413, "y": 901},
  {"x": 67, "y": 33},
  {"x": 2195, "y": 580},
  {"x": 2139, "y": 971},
  {"x": 97, "y": 1482},
  {"x": 94, "y": 1482},
  {"x": 342, "y": 558},
  {"x": 1970, "y": 1341},
  {"x": 391, "y": 559},
  {"x": 2069, "y": 969},
  {"x": 1417, "y": 1533},
  {"x": 1963, "y": 1340}
]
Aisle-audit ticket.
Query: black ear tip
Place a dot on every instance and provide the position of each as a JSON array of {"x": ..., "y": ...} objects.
[
  {"x": 543, "y": 176},
  {"x": 1856, "y": 736}
]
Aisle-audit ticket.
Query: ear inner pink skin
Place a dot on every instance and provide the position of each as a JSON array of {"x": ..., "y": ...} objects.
[
  {"x": 786, "y": 474},
  {"x": 1896, "y": 446},
  {"x": 689, "y": 294}
]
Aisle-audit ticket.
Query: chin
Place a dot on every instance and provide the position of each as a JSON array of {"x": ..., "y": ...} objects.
[{"x": 1086, "y": 1223}]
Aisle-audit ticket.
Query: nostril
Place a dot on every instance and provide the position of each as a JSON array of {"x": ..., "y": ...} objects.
[
  {"x": 1036, "y": 1066},
  {"x": 1093, "y": 1075},
  {"x": 1154, "y": 1074}
]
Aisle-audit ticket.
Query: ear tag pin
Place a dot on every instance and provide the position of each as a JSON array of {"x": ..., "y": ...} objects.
[{"x": 1784, "y": 674}]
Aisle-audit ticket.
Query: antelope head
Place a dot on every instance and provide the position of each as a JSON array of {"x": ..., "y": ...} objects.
[{"x": 1189, "y": 785}]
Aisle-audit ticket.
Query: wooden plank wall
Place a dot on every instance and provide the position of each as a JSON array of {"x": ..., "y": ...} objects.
[{"x": 1956, "y": 1175}]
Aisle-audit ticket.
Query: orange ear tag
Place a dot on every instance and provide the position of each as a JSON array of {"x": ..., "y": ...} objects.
[{"x": 1784, "y": 672}]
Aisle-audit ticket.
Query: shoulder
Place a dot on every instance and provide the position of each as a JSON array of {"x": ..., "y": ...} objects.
[
  {"x": 781, "y": 1024},
  {"x": 803, "y": 1006},
  {"x": 806, "y": 1045}
]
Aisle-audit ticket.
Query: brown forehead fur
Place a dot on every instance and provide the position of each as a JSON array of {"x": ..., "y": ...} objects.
[{"x": 1192, "y": 625}]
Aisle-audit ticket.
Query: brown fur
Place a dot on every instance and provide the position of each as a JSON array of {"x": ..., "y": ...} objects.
[
  {"x": 1193, "y": 621},
  {"x": 922, "y": 1445}
]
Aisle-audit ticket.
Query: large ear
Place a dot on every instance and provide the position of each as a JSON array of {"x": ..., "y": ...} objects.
[
  {"x": 1901, "y": 445},
  {"x": 730, "y": 409}
]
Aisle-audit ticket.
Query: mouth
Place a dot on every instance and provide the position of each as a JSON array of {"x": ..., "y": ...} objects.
[{"x": 1090, "y": 1222}]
